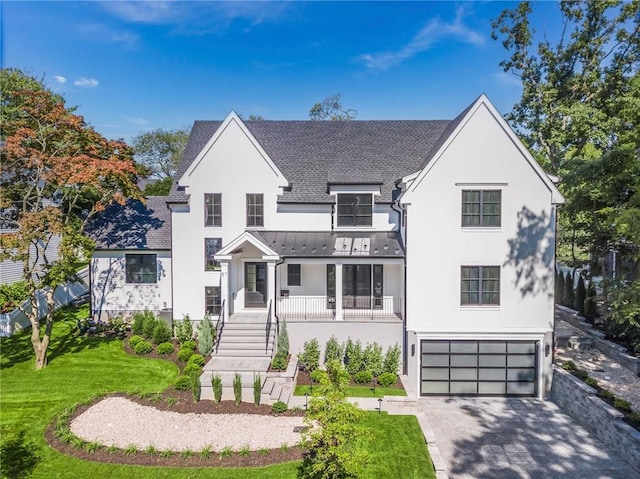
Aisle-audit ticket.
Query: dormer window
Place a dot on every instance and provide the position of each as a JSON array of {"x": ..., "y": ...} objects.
[{"x": 355, "y": 209}]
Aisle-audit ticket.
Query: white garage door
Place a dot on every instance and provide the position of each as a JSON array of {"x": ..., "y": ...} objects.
[{"x": 489, "y": 368}]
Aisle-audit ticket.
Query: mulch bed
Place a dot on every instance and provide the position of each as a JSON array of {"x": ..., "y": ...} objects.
[
  {"x": 181, "y": 402},
  {"x": 304, "y": 379}
]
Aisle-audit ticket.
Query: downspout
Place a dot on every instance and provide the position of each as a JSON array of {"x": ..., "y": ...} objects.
[{"x": 400, "y": 209}]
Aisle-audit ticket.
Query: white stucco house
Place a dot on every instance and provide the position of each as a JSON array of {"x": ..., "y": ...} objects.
[{"x": 436, "y": 235}]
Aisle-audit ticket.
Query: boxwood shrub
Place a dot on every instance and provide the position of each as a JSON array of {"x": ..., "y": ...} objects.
[
  {"x": 165, "y": 348},
  {"x": 143, "y": 347},
  {"x": 387, "y": 379},
  {"x": 197, "y": 359},
  {"x": 191, "y": 344},
  {"x": 363, "y": 377},
  {"x": 135, "y": 339},
  {"x": 279, "y": 407},
  {"x": 185, "y": 354},
  {"x": 182, "y": 383}
]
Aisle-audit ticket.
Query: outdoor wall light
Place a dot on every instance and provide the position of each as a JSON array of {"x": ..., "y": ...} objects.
[
  {"x": 413, "y": 350},
  {"x": 547, "y": 349}
]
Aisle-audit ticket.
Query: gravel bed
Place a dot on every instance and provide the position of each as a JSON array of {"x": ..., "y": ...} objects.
[
  {"x": 609, "y": 374},
  {"x": 120, "y": 422}
]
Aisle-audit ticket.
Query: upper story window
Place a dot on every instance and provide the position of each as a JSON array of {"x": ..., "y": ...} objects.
[
  {"x": 213, "y": 209},
  {"x": 481, "y": 207},
  {"x": 480, "y": 285},
  {"x": 355, "y": 209},
  {"x": 293, "y": 275},
  {"x": 255, "y": 209},
  {"x": 211, "y": 247},
  {"x": 141, "y": 268}
]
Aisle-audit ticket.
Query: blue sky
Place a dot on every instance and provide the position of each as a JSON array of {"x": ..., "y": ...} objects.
[{"x": 134, "y": 66}]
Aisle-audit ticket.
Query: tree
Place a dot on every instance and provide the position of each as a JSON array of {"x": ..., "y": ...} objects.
[
  {"x": 159, "y": 188},
  {"x": 331, "y": 109},
  {"x": 160, "y": 150},
  {"x": 579, "y": 114},
  {"x": 580, "y": 296},
  {"x": 57, "y": 173},
  {"x": 568, "y": 294},
  {"x": 332, "y": 436}
]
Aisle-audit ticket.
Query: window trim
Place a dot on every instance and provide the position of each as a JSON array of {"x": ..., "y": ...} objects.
[
  {"x": 255, "y": 217},
  {"x": 128, "y": 275},
  {"x": 464, "y": 217},
  {"x": 482, "y": 282},
  {"x": 212, "y": 215},
  {"x": 353, "y": 215},
  {"x": 216, "y": 306},
  {"x": 216, "y": 264},
  {"x": 296, "y": 276}
]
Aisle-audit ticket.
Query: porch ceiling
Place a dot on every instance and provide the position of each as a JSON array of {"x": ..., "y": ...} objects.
[{"x": 324, "y": 244}]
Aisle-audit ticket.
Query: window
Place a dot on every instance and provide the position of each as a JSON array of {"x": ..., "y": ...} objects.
[
  {"x": 481, "y": 207},
  {"x": 213, "y": 209},
  {"x": 480, "y": 285},
  {"x": 212, "y": 300},
  {"x": 255, "y": 209},
  {"x": 355, "y": 210},
  {"x": 293, "y": 275},
  {"x": 211, "y": 247},
  {"x": 141, "y": 268}
]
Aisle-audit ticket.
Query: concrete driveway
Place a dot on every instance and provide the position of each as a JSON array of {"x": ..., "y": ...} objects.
[{"x": 515, "y": 439}]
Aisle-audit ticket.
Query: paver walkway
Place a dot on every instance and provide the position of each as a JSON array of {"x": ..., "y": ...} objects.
[{"x": 513, "y": 438}]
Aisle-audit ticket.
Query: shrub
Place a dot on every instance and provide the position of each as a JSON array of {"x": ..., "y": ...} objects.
[
  {"x": 283, "y": 339},
  {"x": 139, "y": 318},
  {"x": 196, "y": 359},
  {"x": 372, "y": 359},
  {"x": 185, "y": 354},
  {"x": 310, "y": 357},
  {"x": 592, "y": 382},
  {"x": 279, "y": 362},
  {"x": 191, "y": 344},
  {"x": 206, "y": 335},
  {"x": 387, "y": 379},
  {"x": 195, "y": 387},
  {"x": 161, "y": 332},
  {"x": 149, "y": 326},
  {"x": 257, "y": 389},
  {"x": 237, "y": 388},
  {"x": 580, "y": 296},
  {"x": 580, "y": 374},
  {"x": 279, "y": 407},
  {"x": 559, "y": 289},
  {"x": 333, "y": 350},
  {"x": 568, "y": 293},
  {"x": 192, "y": 369},
  {"x": 165, "y": 348},
  {"x": 184, "y": 330},
  {"x": 216, "y": 384},
  {"x": 392, "y": 360},
  {"x": 135, "y": 339},
  {"x": 317, "y": 376},
  {"x": 143, "y": 347},
  {"x": 353, "y": 357},
  {"x": 363, "y": 377},
  {"x": 622, "y": 405},
  {"x": 605, "y": 393},
  {"x": 590, "y": 302},
  {"x": 569, "y": 366},
  {"x": 182, "y": 383}
]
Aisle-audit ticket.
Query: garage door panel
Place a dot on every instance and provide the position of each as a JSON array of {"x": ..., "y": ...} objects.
[{"x": 479, "y": 367}]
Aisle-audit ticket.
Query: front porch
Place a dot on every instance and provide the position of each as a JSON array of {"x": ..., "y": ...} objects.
[{"x": 324, "y": 308}]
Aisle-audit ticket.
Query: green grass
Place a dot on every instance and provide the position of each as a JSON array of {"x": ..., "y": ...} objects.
[
  {"x": 357, "y": 391},
  {"x": 81, "y": 367}
]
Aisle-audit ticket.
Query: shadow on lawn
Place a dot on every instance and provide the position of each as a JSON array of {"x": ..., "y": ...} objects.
[{"x": 18, "y": 349}]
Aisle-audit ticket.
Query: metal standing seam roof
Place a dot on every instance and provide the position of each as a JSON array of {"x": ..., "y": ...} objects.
[
  {"x": 133, "y": 226},
  {"x": 323, "y": 244},
  {"x": 312, "y": 154}
]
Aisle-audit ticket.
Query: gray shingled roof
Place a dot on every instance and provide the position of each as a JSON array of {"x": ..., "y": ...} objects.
[
  {"x": 312, "y": 154},
  {"x": 322, "y": 244},
  {"x": 133, "y": 226}
]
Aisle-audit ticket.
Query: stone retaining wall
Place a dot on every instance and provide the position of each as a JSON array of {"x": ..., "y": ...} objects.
[
  {"x": 614, "y": 351},
  {"x": 580, "y": 402}
]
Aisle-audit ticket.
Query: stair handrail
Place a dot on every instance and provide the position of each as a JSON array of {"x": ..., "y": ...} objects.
[
  {"x": 219, "y": 326},
  {"x": 268, "y": 326}
]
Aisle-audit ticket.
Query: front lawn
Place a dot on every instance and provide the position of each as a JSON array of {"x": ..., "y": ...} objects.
[{"x": 81, "y": 367}]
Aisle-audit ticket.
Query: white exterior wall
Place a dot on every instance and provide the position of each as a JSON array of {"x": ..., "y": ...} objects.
[
  {"x": 110, "y": 293},
  {"x": 482, "y": 156}
]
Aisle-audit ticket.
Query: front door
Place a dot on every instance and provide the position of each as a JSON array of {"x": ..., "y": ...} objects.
[{"x": 255, "y": 285}]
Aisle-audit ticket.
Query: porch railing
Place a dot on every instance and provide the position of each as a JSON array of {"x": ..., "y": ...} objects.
[{"x": 322, "y": 307}]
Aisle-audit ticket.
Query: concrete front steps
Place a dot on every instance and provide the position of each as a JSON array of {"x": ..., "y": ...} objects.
[
  {"x": 245, "y": 346},
  {"x": 279, "y": 386}
]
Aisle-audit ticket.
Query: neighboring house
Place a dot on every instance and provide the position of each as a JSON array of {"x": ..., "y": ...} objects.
[
  {"x": 12, "y": 271},
  {"x": 436, "y": 235}
]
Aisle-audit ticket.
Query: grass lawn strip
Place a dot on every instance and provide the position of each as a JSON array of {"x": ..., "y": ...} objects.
[{"x": 83, "y": 367}]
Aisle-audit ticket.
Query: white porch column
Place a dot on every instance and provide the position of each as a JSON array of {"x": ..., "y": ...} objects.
[
  {"x": 271, "y": 281},
  {"x": 339, "y": 314},
  {"x": 224, "y": 289}
]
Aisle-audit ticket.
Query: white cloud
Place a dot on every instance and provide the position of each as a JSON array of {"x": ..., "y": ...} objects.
[
  {"x": 102, "y": 33},
  {"x": 137, "y": 121},
  {"x": 507, "y": 79},
  {"x": 434, "y": 31},
  {"x": 60, "y": 79},
  {"x": 86, "y": 82}
]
